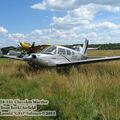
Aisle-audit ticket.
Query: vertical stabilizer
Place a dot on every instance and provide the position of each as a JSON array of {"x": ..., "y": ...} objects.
[{"x": 84, "y": 48}]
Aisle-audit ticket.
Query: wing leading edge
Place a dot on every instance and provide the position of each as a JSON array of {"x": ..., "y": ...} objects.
[
  {"x": 94, "y": 60},
  {"x": 11, "y": 57}
]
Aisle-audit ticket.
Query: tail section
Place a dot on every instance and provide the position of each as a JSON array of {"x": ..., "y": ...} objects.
[{"x": 84, "y": 48}]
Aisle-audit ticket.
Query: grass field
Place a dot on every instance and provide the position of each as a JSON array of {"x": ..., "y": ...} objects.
[{"x": 88, "y": 92}]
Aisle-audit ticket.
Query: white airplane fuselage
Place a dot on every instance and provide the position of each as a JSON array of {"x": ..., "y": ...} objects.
[{"x": 58, "y": 55}]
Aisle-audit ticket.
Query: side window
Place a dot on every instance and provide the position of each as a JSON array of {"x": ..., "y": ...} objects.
[
  {"x": 61, "y": 51},
  {"x": 73, "y": 53},
  {"x": 54, "y": 51},
  {"x": 68, "y": 52}
]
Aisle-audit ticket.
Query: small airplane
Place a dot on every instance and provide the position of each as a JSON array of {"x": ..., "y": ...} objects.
[
  {"x": 60, "y": 56},
  {"x": 24, "y": 47},
  {"x": 31, "y": 48}
]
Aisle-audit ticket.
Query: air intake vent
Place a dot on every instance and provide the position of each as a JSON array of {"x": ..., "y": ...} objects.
[{"x": 34, "y": 56}]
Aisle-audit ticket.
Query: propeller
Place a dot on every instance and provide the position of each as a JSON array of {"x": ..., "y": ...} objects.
[
  {"x": 31, "y": 49},
  {"x": 33, "y": 44}
]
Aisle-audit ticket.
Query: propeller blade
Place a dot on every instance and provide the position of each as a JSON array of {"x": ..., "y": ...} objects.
[{"x": 33, "y": 44}]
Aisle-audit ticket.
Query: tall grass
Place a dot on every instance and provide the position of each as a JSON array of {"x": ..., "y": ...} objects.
[{"x": 88, "y": 92}]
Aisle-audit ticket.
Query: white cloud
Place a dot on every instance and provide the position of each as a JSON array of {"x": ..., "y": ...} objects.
[
  {"x": 3, "y": 30},
  {"x": 80, "y": 21},
  {"x": 115, "y": 32},
  {"x": 68, "y": 22},
  {"x": 88, "y": 11},
  {"x": 71, "y": 4},
  {"x": 60, "y": 36},
  {"x": 103, "y": 25},
  {"x": 103, "y": 2},
  {"x": 84, "y": 12},
  {"x": 39, "y": 6},
  {"x": 83, "y": 16},
  {"x": 17, "y": 36},
  {"x": 55, "y": 5}
]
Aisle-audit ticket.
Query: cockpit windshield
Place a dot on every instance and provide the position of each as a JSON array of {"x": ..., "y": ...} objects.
[{"x": 49, "y": 50}]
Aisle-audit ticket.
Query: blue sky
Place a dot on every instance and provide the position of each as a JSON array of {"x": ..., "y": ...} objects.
[
  {"x": 17, "y": 16},
  {"x": 59, "y": 21}
]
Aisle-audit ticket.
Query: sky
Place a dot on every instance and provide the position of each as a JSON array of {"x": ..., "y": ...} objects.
[{"x": 59, "y": 21}]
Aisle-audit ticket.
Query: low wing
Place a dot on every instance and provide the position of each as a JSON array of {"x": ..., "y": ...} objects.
[
  {"x": 5, "y": 50},
  {"x": 11, "y": 57},
  {"x": 94, "y": 60}
]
